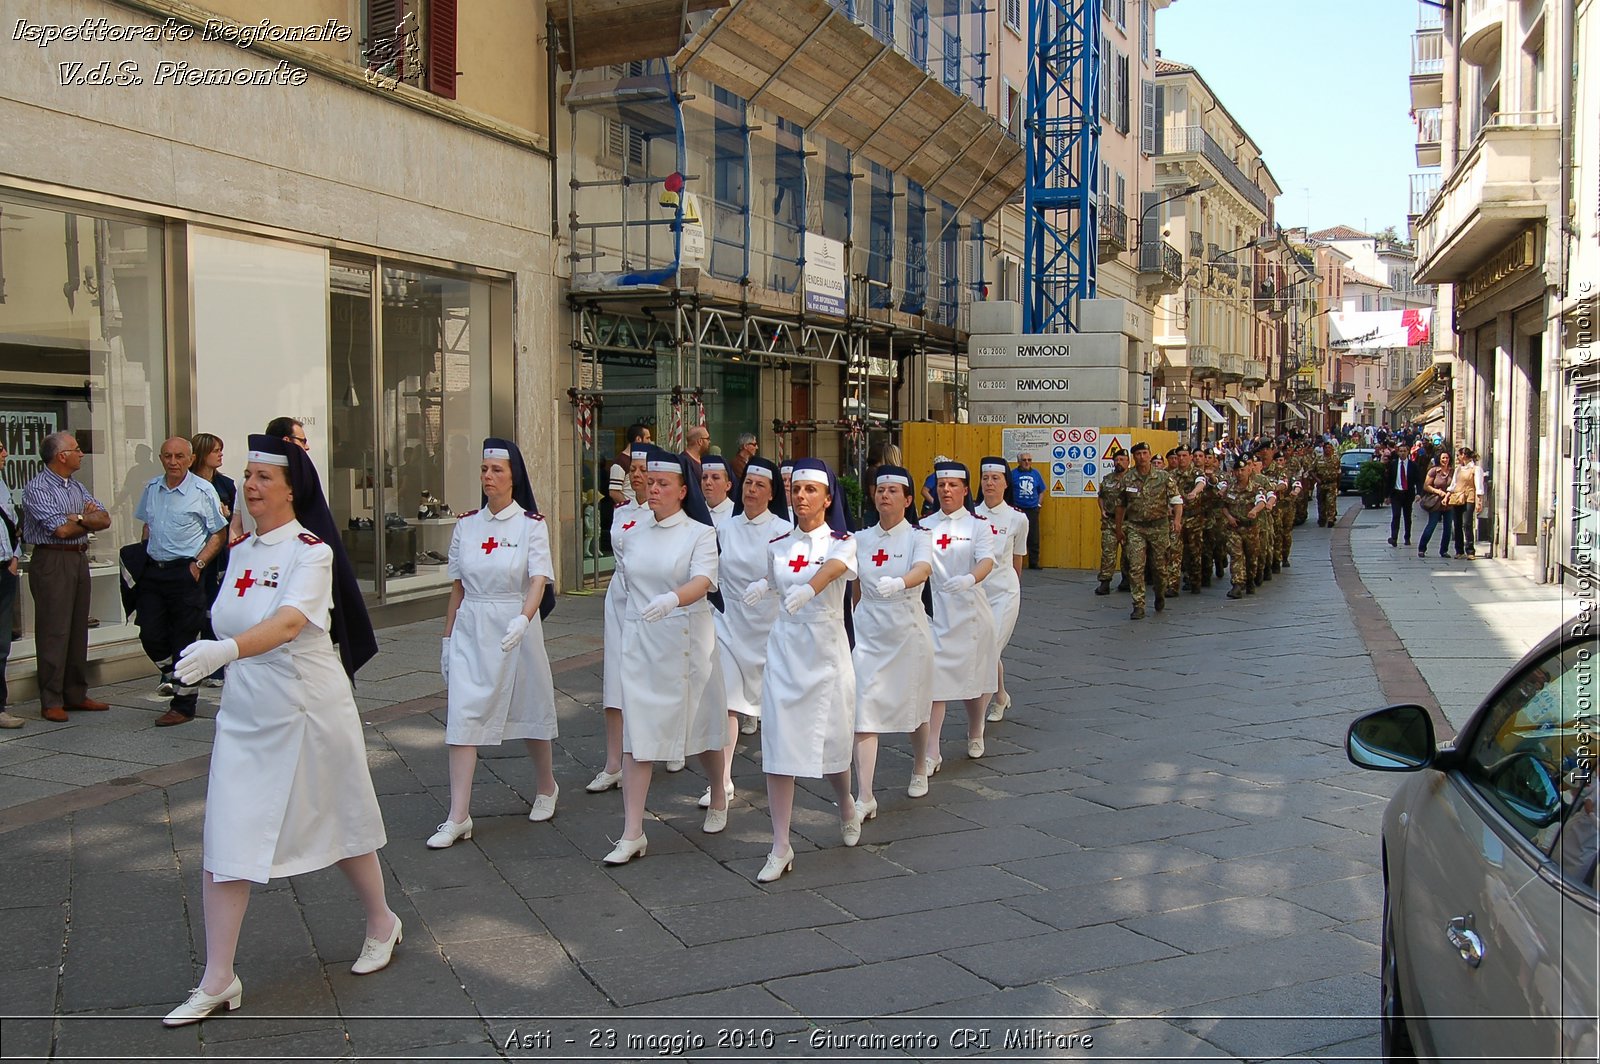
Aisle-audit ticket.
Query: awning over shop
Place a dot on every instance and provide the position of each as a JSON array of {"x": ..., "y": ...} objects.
[
  {"x": 807, "y": 61},
  {"x": 1296, "y": 410},
  {"x": 1242, "y": 410},
  {"x": 1419, "y": 392},
  {"x": 1210, "y": 411}
]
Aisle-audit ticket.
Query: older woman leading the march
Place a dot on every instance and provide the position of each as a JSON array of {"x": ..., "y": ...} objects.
[
  {"x": 742, "y": 630},
  {"x": 1003, "y": 588},
  {"x": 893, "y": 655},
  {"x": 289, "y": 791},
  {"x": 494, "y": 661},
  {"x": 668, "y": 714},
  {"x": 808, "y": 695},
  {"x": 627, "y": 519},
  {"x": 965, "y": 655}
]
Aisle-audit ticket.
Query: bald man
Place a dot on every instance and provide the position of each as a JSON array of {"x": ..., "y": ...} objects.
[{"x": 183, "y": 530}]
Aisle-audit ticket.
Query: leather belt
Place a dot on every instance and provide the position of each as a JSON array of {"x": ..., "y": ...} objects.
[
  {"x": 172, "y": 563},
  {"x": 76, "y": 548}
]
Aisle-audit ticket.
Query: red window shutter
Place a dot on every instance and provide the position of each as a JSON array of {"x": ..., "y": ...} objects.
[
  {"x": 386, "y": 41},
  {"x": 442, "y": 48}
]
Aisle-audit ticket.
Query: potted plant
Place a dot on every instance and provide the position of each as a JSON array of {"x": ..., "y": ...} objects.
[{"x": 1369, "y": 483}]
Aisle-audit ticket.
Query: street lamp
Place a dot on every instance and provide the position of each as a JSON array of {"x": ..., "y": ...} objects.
[{"x": 1188, "y": 190}]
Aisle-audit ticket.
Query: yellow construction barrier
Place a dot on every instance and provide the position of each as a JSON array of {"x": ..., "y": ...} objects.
[{"x": 1070, "y": 536}]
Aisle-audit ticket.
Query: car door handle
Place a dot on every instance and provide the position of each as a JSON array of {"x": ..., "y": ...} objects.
[{"x": 1464, "y": 940}]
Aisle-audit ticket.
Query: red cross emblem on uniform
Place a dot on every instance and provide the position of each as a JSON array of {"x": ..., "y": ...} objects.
[
  {"x": 995, "y": 530},
  {"x": 629, "y": 525},
  {"x": 880, "y": 557},
  {"x": 798, "y": 563},
  {"x": 489, "y": 545},
  {"x": 244, "y": 583},
  {"x": 943, "y": 541}
]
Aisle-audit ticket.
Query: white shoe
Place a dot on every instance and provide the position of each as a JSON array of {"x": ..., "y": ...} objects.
[
  {"x": 934, "y": 765},
  {"x": 777, "y": 864},
  {"x": 997, "y": 709},
  {"x": 376, "y": 953},
  {"x": 975, "y": 747},
  {"x": 544, "y": 806},
  {"x": 716, "y": 820},
  {"x": 705, "y": 799},
  {"x": 449, "y": 832},
  {"x": 603, "y": 781},
  {"x": 850, "y": 830},
  {"x": 868, "y": 809},
  {"x": 201, "y": 1004},
  {"x": 675, "y": 766},
  {"x": 748, "y": 725},
  {"x": 626, "y": 850},
  {"x": 918, "y": 787}
]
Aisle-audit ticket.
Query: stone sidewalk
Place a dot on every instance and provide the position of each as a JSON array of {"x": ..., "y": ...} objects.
[{"x": 1164, "y": 852}]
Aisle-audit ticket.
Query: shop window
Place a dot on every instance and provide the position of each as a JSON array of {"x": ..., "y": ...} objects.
[{"x": 82, "y": 349}]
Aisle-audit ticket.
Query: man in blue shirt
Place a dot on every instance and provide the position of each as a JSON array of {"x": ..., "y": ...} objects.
[
  {"x": 1027, "y": 493},
  {"x": 183, "y": 530}
]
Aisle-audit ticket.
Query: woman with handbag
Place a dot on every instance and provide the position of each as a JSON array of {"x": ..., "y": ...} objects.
[
  {"x": 1465, "y": 489},
  {"x": 1436, "y": 500}
]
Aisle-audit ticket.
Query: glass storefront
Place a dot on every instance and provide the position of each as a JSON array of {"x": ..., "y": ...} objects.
[{"x": 83, "y": 349}]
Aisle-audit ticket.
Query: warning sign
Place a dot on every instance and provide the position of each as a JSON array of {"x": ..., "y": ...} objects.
[
  {"x": 1078, "y": 474},
  {"x": 1058, "y": 489}
]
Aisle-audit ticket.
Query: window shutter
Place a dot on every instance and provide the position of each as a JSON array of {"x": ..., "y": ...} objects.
[
  {"x": 1147, "y": 117},
  {"x": 385, "y": 44},
  {"x": 1148, "y": 217},
  {"x": 1105, "y": 84},
  {"x": 442, "y": 48},
  {"x": 1124, "y": 90}
]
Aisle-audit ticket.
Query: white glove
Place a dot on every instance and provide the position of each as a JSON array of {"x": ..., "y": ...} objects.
[
  {"x": 958, "y": 583},
  {"x": 514, "y": 629},
  {"x": 444, "y": 658},
  {"x": 204, "y": 657},
  {"x": 796, "y": 597},
  {"x": 755, "y": 592},
  {"x": 660, "y": 606},
  {"x": 890, "y": 585}
]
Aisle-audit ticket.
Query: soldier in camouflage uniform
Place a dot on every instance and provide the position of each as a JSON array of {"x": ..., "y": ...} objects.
[
  {"x": 1110, "y": 493},
  {"x": 1304, "y": 464},
  {"x": 1214, "y": 538},
  {"x": 1267, "y": 526},
  {"x": 1149, "y": 513},
  {"x": 1327, "y": 487},
  {"x": 1289, "y": 499},
  {"x": 1240, "y": 506},
  {"x": 1192, "y": 543},
  {"x": 1172, "y": 565}
]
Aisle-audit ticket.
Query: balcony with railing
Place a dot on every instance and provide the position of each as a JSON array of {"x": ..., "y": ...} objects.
[
  {"x": 1255, "y": 372},
  {"x": 1481, "y": 25},
  {"x": 1230, "y": 366},
  {"x": 1507, "y": 182},
  {"x": 1424, "y": 186},
  {"x": 1198, "y": 360},
  {"x": 1195, "y": 141},
  {"x": 1430, "y": 16},
  {"x": 1430, "y": 130},
  {"x": 1160, "y": 265},
  {"x": 1113, "y": 230},
  {"x": 1427, "y": 68}
]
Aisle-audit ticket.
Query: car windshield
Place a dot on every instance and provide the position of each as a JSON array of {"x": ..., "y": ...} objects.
[{"x": 1355, "y": 458}]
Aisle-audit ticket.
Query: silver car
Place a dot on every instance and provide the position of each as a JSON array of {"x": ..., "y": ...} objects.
[{"x": 1491, "y": 913}]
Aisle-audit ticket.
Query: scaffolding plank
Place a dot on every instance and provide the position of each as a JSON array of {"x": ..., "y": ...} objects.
[{"x": 617, "y": 31}]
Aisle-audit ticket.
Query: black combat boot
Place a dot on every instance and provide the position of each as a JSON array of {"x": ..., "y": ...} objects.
[
  {"x": 1124, "y": 586},
  {"x": 1103, "y": 588},
  {"x": 1161, "y": 602},
  {"x": 1137, "y": 614},
  {"x": 1235, "y": 593}
]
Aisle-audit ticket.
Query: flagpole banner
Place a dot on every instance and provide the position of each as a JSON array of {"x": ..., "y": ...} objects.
[{"x": 1367, "y": 332}]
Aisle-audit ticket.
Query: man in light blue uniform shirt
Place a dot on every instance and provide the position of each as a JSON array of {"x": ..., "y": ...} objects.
[
  {"x": 183, "y": 530},
  {"x": 10, "y": 545}
]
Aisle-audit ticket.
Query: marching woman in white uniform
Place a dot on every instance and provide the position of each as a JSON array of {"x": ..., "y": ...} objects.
[
  {"x": 626, "y": 520},
  {"x": 742, "y": 630},
  {"x": 716, "y": 483},
  {"x": 667, "y": 713},
  {"x": 289, "y": 791},
  {"x": 1003, "y": 587},
  {"x": 964, "y": 655},
  {"x": 893, "y": 655},
  {"x": 494, "y": 661},
  {"x": 808, "y": 695}
]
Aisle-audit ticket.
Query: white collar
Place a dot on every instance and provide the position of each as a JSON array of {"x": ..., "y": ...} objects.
[
  {"x": 761, "y": 519},
  {"x": 896, "y": 530},
  {"x": 672, "y": 521},
  {"x": 511, "y": 510},
  {"x": 723, "y": 507},
  {"x": 823, "y": 529},
  {"x": 1001, "y": 507},
  {"x": 960, "y": 512},
  {"x": 281, "y": 533}
]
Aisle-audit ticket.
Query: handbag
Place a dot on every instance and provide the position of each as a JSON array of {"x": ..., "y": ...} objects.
[
  {"x": 1430, "y": 502},
  {"x": 1455, "y": 498}
]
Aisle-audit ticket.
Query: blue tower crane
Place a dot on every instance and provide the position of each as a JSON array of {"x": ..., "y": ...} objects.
[{"x": 1061, "y": 197}]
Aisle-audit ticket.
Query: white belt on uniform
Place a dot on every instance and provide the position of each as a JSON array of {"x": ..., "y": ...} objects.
[{"x": 493, "y": 598}]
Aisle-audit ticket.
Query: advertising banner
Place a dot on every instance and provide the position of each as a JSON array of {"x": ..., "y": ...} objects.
[
  {"x": 1371, "y": 331},
  {"x": 824, "y": 275}
]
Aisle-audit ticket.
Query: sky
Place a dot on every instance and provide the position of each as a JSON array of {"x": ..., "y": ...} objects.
[{"x": 1323, "y": 87}]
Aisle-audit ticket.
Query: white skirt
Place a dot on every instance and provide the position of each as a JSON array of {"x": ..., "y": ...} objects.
[
  {"x": 494, "y": 695},
  {"x": 966, "y": 663},
  {"x": 742, "y": 633},
  {"x": 893, "y": 662},
  {"x": 808, "y": 698},
  {"x": 669, "y": 714},
  {"x": 616, "y": 609}
]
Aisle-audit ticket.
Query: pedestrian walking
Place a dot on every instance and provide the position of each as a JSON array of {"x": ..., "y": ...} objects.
[
  {"x": 1149, "y": 512},
  {"x": 1436, "y": 500},
  {"x": 1404, "y": 475},
  {"x": 742, "y": 628},
  {"x": 1464, "y": 497},
  {"x": 808, "y": 695},
  {"x": 496, "y": 670},
  {"x": 184, "y": 532},
  {"x": 626, "y": 521},
  {"x": 289, "y": 791},
  {"x": 1027, "y": 495},
  {"x": 58, "y": 514},
  {"x": 1010, "y": 529},
  {"x": 671, "y": 646},
  {"x": 965, "y": 665},
  {"x": 893, "y": 655},
  {"x": 10, "y": 547}
]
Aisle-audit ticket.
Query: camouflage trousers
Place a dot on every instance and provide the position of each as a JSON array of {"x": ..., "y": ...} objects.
[
  {"x": 1285, "y": 533},
  {"x": 1264, "y": 530},
  {"x": 1194, "y": 549},
  {"x": 1216, "y": 545},
  {"x": 1327, "y": 504},
  {"x": 1108, "y": 550},
  {"x": 1150, "y": 543},
  {"x": 1241, "y": 545}
]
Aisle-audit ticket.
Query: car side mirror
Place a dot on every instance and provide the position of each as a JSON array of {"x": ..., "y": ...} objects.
[{"x": 1394, "y": 739}]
